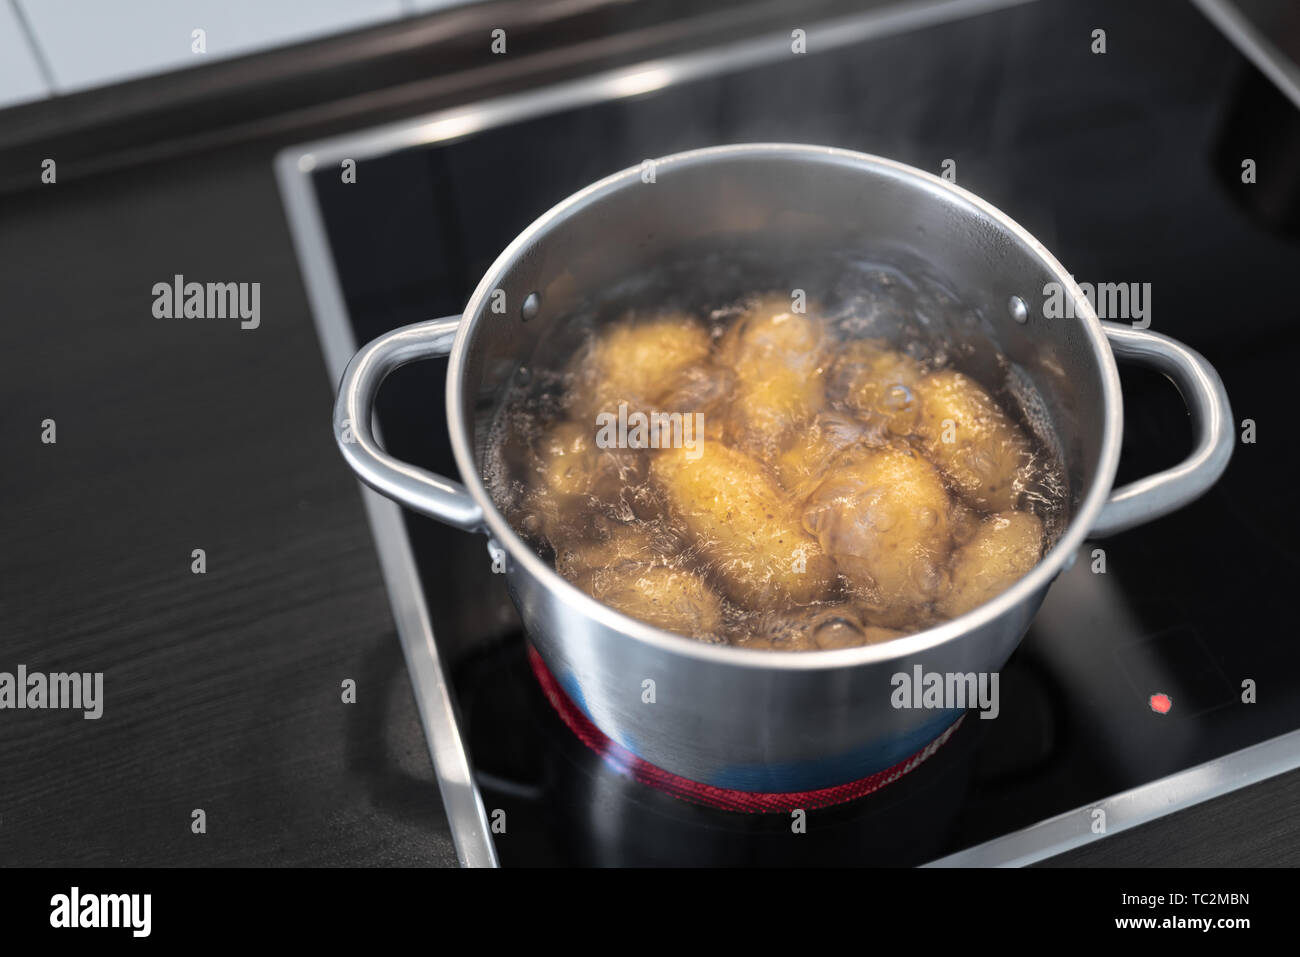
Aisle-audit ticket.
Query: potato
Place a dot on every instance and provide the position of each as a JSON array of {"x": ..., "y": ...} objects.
[
  {"x": 699, "y": 387},
  {"x": 878, "y": 384},
  {"x": 574, "y": 482},
  {"x": 702, "y": 389},
  {"x": 813, "y": 448},
  {"x": 635, "y": 360},
  {"x": 770, "y": 332},
  {"x": 742, "y": 525},
  {"x": 674, "y": 599},
  {"x": 587, "y": 547},
  {"x": 572, "y": 466},
  {"x": 818, "y": 627},
  {"x": 884, "y": 518},
  {"x": 964, "y": 523},
  {"x": 777, "y": 356},
  {"x": 974, "y": 442},
  {"x": 1006, "y": 547},
  {"x": 773, "y": 631}
]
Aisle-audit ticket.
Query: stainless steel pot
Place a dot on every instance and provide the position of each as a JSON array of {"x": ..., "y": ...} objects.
[{"x": 746, "y": 719}]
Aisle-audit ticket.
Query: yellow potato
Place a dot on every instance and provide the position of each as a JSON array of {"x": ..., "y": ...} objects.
[
  {"x": 743, "y": 527},
  {"x": 818, "y": 627},
  {"x": 878, "y": 383},
  {"x": 635, "y": 360},
  {"x": 768, "y": 332},
  {"x": 572, "y": 466},
  {"x": 575, "y": 483},
  {"x": 580, "y": 553},
  {"x": 674, "y": 599},
  {"x": 884, "y": 517},
  {"x": 977, "y": 446},
  {"x": 777, "y": 356},
  {"x": 812, "y": 449},
  {"x": 1006, "y": 547},
  {"x": 702, "y": 389},
  {"x": 965, "y": 523},
  {"x": 774, "y": 632}
]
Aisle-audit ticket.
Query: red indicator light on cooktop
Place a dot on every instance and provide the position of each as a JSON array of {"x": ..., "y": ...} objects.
[{"x": 1161, "y": 703}]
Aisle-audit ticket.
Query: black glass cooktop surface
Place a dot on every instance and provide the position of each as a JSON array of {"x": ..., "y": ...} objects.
[{"x": 1128, "y": 166}]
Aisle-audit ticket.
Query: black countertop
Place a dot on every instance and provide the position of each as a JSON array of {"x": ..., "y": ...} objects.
[{"x": 223, "y": 691}]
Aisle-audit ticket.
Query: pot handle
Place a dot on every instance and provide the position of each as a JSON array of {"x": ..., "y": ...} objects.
[
  {"x": 413, "y": 487},
  {"x": 1207, "y": 403}
]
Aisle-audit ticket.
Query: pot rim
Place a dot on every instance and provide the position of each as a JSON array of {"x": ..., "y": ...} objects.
[{"x": 579, "y": 601}]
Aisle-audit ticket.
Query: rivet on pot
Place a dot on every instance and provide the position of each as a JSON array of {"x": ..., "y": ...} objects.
[
  {"x": 532, "y": 305},
  {"x": 1019, "y": 311}
]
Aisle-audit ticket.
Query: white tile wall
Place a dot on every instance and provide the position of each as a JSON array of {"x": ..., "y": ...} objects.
[
  {"x": 88, "y": 43},
  {"x": 20, "y": 76}
]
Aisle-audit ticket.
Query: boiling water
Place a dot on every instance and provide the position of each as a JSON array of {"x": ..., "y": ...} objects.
[{"x": 615, "y": 524}]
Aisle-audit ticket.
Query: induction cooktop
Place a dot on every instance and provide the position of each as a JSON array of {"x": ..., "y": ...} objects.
[{"x": 1127, "y": 165}]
